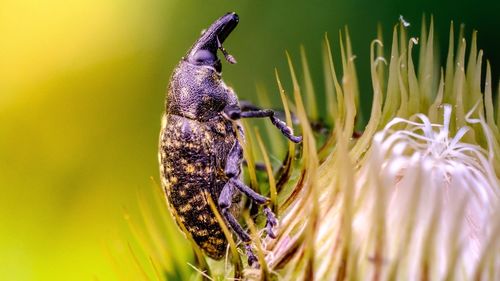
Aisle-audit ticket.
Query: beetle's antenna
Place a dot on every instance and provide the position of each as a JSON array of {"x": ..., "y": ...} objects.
[{"x": 228, "y": 57}]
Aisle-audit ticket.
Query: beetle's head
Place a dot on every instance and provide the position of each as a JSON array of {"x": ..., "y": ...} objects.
[{"x": 204, "y": 51}]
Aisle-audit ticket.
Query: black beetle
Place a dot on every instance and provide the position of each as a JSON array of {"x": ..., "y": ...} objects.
[{"x": 200, "y": 154}]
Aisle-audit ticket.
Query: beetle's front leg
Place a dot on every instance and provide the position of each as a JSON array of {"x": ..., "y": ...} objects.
[{"x": 233, "y": 112}]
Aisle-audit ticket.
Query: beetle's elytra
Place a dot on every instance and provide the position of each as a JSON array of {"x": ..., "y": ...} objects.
[{"x": 199, "y": 152}]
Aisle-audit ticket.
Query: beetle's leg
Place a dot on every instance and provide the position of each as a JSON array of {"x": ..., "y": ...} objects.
[
  {"x": 285, "y": 130},
  {"x": 271, "y": 221},
  {"x": 280, "y": 114},
  {"x": 318, "y": 126},
  {"x": 225, "y": 201},
  {"x": 232, "y": 171},
  {"x": 233, "y": 112}
]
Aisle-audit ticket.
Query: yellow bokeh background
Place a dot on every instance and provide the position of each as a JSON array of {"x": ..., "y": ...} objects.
[{"x": 79, "y": 116}]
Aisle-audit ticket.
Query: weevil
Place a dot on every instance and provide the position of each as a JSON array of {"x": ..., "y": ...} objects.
[{"x": 200, "y": 150}]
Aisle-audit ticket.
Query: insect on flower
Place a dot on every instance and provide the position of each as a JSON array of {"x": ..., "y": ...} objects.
[{"x": 200, "y": 149}]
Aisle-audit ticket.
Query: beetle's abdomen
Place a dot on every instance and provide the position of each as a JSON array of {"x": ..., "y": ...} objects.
[{"x": 188, "y": 172}]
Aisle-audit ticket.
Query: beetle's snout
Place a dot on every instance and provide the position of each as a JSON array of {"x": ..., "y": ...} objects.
[
  {"x": 229, "y": 22},
  {"x": 204, "y": 51}
]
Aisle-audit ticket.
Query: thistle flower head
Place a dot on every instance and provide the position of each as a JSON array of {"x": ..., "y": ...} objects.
[{"x": 439, "y": 196}]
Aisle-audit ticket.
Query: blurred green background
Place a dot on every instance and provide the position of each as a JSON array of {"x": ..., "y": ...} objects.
[{"x": 82, "y": 87}]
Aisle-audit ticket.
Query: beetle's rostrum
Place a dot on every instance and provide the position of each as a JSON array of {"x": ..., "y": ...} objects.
[{"x": 200, "y": 150}]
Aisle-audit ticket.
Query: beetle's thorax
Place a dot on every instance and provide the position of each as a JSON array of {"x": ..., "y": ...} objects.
[{"x": 197, "y": 92}]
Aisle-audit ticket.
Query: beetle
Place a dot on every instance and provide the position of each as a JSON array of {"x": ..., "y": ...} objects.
[{"x": 200, "y": 149}]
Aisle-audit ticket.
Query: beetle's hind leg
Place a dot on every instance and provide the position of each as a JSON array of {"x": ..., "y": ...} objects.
[
  {"x": 271, "y": 221},
  {"x": 225, "y": 201},
  {"x": 232, "y": 171}
]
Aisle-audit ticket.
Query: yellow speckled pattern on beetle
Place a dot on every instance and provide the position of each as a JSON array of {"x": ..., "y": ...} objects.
[{"x": 190, "y": 151}]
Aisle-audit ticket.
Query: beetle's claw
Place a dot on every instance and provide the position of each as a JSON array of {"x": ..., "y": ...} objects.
[
  {"x": 296, "y": 139},
  {"x": 271, "y": 223},
  {"x": 270, "y": 230},
  {"x": 252, "y": 259}
]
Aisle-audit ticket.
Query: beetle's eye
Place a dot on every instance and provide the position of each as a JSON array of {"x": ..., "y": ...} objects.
[{"x": 204, "y": 57}]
